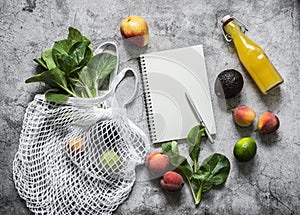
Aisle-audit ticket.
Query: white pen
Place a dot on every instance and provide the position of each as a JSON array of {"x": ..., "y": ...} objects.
[{"x": 191, "y": 102}]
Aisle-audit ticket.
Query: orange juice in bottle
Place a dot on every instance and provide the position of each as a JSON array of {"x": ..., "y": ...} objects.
[{"x": 251, "y": 56}]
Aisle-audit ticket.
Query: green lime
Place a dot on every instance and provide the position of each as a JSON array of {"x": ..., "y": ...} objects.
[
  {"x": 110, "y": 161},
  {"x": 245, "y": 149}
]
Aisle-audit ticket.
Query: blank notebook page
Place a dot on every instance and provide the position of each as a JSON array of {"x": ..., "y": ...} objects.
[{"x": 167, "y": 75}]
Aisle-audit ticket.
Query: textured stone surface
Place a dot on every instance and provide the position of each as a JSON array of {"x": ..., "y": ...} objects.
[{"x": 269, "y": 184}]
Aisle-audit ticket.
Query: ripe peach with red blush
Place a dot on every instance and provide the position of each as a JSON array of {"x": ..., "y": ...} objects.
[
  {"x": 268, "y": 123},
  {"x": 243, "y": 116},
  {"x": 172, "y": 181},
  {"x": 158, "y": 163}
]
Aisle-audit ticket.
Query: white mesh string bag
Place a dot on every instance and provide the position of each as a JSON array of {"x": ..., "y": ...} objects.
[{"x": 78, "y": 157}]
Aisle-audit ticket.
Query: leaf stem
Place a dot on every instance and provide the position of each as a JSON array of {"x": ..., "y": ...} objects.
[
  {"x": 195, "y": 166},
  {"x": 69, "y": 91},
  {"x": 198, "y": 197},
  {"x": 192, "y": 189},
  {"x": 88, "y": 92}
]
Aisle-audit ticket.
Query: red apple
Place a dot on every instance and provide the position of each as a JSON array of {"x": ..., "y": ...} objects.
[{"x": 135, "y": 30}]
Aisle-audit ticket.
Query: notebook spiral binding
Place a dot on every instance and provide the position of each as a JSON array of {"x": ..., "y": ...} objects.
[{"x": 148, "y": 102}]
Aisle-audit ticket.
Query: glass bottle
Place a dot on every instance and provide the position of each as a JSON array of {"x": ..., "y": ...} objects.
[{"x": 251, "y": 56}]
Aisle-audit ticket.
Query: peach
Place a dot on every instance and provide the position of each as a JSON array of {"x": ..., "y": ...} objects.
[
  {"x": 172, "y": 181},
  {"x": 268, "y": 123},
  {"x": 158, "y": 163},
  {"x": 243, "y": 116},
  {"x": 75, "y": 146}
]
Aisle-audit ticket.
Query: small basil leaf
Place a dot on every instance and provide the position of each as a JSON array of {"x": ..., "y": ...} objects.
[
  {"x": 62, "y": 46},
  {"x": 200, "y": 181}
]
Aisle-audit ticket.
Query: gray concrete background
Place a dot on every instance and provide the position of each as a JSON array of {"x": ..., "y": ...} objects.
[{"x": 269, "y": 184}]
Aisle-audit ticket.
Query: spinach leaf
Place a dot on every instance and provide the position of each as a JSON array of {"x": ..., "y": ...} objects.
[
  {"x": 102, "y": 65},
  {"x": 98, "y": 68},
  {"x": 74, "y": 34},
  {"x": 62, "y": 47},
  {"x": 60, "y": 54},
  {"x": 178, "y": 161},
  {"x": 77, "y": 51},
  {"x": 35, "y": 78},
  {"x": 55, "y": 78},
  {"x": 216, "y": 167},
  {"x": 193, "y": 141},
  {"x": 86, "y": 84},
  {"x": 69, "y": 54},
  {"x": 213, "y": 171},
  {"x": 53, "y": 95},
  {"x": 71, "y": 68},
  {"x": 41, "y": 62},
  {"x": 47, "y": 58}
]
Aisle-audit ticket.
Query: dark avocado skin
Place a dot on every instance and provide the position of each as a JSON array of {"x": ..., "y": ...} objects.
[{"x": 229, "y": 83}]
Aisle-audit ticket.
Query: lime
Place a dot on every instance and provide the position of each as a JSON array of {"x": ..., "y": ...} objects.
[
  {"x": 109, "y": 161},
  {"x": 245, "y": 149}
]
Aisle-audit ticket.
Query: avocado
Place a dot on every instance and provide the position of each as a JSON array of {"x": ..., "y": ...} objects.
[{"x": 228, "y": 84}]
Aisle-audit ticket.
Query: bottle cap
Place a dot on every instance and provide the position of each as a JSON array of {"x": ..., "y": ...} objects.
[{"x": 226, "y": 19}]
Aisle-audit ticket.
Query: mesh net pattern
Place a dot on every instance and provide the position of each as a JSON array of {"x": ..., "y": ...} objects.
[{"x": 76, "y": 160}]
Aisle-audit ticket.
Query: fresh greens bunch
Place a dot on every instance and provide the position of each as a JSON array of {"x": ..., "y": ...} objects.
[
  {"x": 71, "y": 69},
  {"x": 213, "y": 171}
]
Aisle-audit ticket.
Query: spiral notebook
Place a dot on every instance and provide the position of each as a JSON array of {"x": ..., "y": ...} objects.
[{"x": 166, "y": 76}]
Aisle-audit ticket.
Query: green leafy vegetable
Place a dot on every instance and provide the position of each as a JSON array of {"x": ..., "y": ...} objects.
[
  {"x": 71, "y": 69},
  {"x": 180, "y": 162},
  {"x": 47, "y": 58},
  {"x": 100, "y": 66},
  {"x": 193, "y": 141},
  {"x": 53, "y": 95},
  {"x": 41, "y": 62},
  {"x": 75, "y": 35},
  {"x": 213, "y": 171}
]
